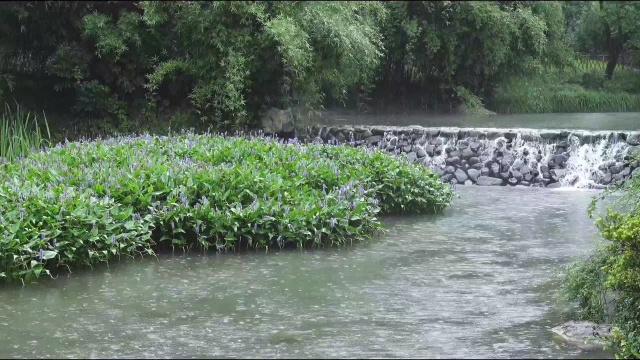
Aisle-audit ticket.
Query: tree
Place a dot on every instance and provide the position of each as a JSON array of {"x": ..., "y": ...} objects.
[{"x": 611, "y": 26}]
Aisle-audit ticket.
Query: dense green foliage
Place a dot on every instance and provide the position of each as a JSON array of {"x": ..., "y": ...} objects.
[
  {"x": 576, "y": 88},
  {"x": 130, "y": 63},
  {"x": 89, "y": 202},
  {"x": 101, "y": 67},
  {"x": 606, "y": 285}
]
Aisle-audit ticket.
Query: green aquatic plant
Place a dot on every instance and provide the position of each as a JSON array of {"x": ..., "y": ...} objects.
[
  {"x": 89, "y": 202},
  {"x": 20, "y": 132}
]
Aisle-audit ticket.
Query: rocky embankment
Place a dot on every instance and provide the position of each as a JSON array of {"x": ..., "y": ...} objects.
[{"x": 547, "y": 158}]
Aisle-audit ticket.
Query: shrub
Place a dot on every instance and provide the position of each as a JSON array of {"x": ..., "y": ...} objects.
[
  {"x": 88, "y": 202},
  {"x": 614, "y": 270}
]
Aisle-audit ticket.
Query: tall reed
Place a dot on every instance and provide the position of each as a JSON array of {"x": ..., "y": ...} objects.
[{"x": 20, "y": 132}]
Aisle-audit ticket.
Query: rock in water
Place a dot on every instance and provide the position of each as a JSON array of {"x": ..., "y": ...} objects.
[
  {"x": 584, "y": 334},
  {"x": 276, "y": 121}
]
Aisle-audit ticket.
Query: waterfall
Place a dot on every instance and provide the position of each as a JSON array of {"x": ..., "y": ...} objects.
[{"x": 491, "y": 156}]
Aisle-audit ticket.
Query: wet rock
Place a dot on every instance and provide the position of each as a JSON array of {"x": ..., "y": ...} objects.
[
  {"x": 559, "y": 173},
  {"x": 558, "y": 160},
  {"x": 633, "y": 139},
  {"x": 607, "y": 179},
  {"x": 562, "y": 144},
  {"x": 512, "y": 181},
  {"x": 527, "y": 177},
  {"x": 617, "y": 177},
  {"x": 584, "y": 334},
  {"x": 507, "y": 161},
  {"x": 460, "y": 175},
  {"x": 467, "y": 154},
  {"x": 477, "y": 166},
  {"x": 449, "y": 169},
  {"x": 407, "y": 148},
  {"x": 430, "y": 150},
  {"x": 463, "y": 144},
  {"x": 473, "y": 174},
  {"x": 516, "y": 175},
  {"x": 525, "y": 169},
  {"x": 633, "y": 152},
  {"x": 367, "y": 133},
  {"x": 544, "y": 169},
  {"x": 453, "y": 161},
  {"x": 411, "y": 157},
  {"x": 504, "y": 175},
  {"x": 455, "y": 153},
  {"x": 525, "y": 183},
  {"x": 420, "y": 152},
  {"x": 475, "y": 147},
  {"x": 526, "y": 137},
  {"x": 473, "y": 160},
  {"x": 435, "y": 142},
  {"x": 615, "y": 169},
  {"x": 626, "y": 171},
  {"x": 468, "y": 182},
  {"x": 495, "y": 169},
  {"x": 372, "y": 140},
  {"x": 439, "y": 149},
  {"x": 488, "y": 181},
  {"x": 484, "y": 171},
  {"x": 554, "y": 185}
]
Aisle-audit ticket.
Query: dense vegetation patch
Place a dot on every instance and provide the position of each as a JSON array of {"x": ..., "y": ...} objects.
[
  {"x": 83, "y": 203},
  {"x": 606, "y": 285},
  {"x": 577, "y": 88}
]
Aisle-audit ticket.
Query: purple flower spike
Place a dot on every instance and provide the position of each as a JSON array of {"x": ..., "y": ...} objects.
[
  {"x": 361, "y": 191},
  {"x": 332, "y": 222},
  {"x": 42, "y": 236},
  {"x": 113, "y": 239},
  {"x": 137, "y": 216},
  {"x": 41, "y": 254}
]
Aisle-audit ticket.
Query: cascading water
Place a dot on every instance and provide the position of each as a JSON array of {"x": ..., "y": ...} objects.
[
  {"x": 588, "y": 164},
  {"x": 528, "y": 157}
]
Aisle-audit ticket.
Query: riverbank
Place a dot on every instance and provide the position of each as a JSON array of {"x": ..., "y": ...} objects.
[
  {"x": 90, "y": 202},
  {"x": 574, "y": 89}
]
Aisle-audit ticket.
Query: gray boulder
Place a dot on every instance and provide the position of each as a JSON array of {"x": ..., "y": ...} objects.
[
  {"x": 473, "y": 174},
  {"x": 460, "y": 175},
  {"x": 484, "y": 171},
  {"x": 277, "y": 121},
  {"x": 449, "y": 170},
  {"x": 488, "y": 181},
  {"x": 584, "y": 334}
]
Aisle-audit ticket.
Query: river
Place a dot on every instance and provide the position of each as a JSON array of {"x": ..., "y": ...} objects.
[
  {"x": 474, "y": 282},
  {"x": 572, "y": 121}
]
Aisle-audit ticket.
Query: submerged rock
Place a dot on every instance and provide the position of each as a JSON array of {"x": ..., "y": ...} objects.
[
  {"x": 584, "y": 334},
  {"x": 488, "y": 181}
]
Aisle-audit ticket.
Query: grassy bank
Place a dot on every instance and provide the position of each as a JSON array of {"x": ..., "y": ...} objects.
[
  {"x": 579, "y": 88},
  {"x": 84, "y": 203},
  {"x": 606, "y": 285}
]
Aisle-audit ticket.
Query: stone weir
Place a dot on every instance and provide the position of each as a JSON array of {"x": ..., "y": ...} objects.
[{"x": 488, "y": 156}]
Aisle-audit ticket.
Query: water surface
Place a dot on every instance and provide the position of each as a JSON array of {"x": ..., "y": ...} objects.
[
  {"x": 471, "y": 283},
  {"x": 583, "y": 121}
]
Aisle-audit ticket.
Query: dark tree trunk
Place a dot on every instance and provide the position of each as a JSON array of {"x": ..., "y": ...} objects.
[{"x": 614, "y": 47}]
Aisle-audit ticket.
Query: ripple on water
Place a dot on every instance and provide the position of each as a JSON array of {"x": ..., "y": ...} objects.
[{"x": 469, "y": 283}]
